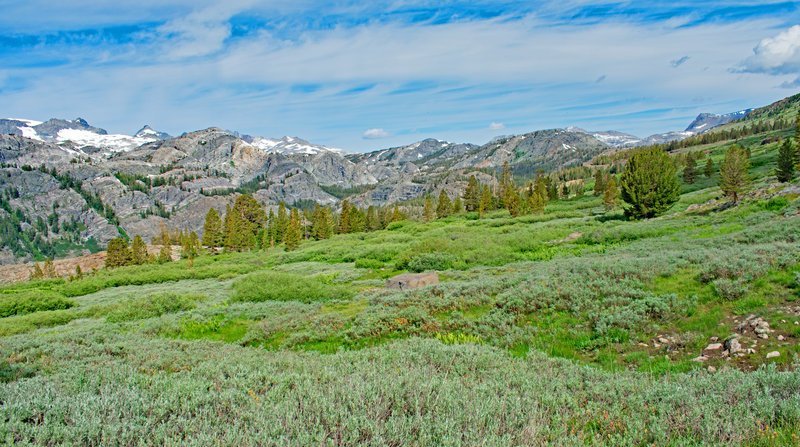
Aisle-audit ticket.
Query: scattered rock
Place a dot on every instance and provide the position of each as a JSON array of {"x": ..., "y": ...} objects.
[
  {"x": 773, "y": 354},
  {"x": 796, "y": 323},
  {"x": 644, "y": 345},
  {"x": 663, "y": 340},
  {"x": 751, "y": 351},
  {"x": 700, "y": 358},
  {"x": 409, "y": 281},
  {"x": 715, "y": 338},
  {"x": 713, "y": 347},
  {"x": 781, "y": 338},
  {"x": 656, "y": 345},
  {"x": 711, "y": 369},
  {"x": 733, "y": 346}
]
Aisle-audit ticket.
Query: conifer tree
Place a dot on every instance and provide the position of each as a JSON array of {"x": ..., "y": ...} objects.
[
  {"x": 785, "y": 171},
  {"x": 228, "y": 229},
  {"x": 271, "y": 230},
  {"x": 457, "y": 205},
  {"x": 536, "y": 203},
  {"x": 649, "y": 184},
  {"x": 138, "y": 251},
  {"x": 599, "y": 183},
  {"x": 117, "y": 253},
  {"x": 396, "y": 214},
  {"x": 733, "y": 172},
  {"x": 552, "y": 191},
  {"x": 49, "y": 270},
  {"x": 165, "y": 254},
  {"x": 541, "y": 189},
  {"x": 610, "y": 194},
  {"x": 373, "y": 219},
  {"x": 565, "y": 191},
  {"x": 690, "y": 171},
  {"x": 709, "y": 169},
  {"x": 357, "y": 220},
  {"x": 344, "y": 218},
  {"x": 443, "y": 207},
  {"x": 292, "y": 239},
  {"x": 472, "y": 194},
  {"x": 78, "y": 272},
  {"x": 427, "y": 211},
  {"x": 37, "y": 272},
  {"x": 485, "y": 204},
  {"x": 513, "y": 202},
  {"x": 212, "y": 230},
  {"x": 281, "y": 223}
]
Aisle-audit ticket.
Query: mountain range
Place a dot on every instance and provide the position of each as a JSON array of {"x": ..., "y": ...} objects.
[{"x": 67, "y": 186}]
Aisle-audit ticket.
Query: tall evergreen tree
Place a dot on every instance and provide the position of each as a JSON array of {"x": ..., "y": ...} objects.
[
  {"x": 610, "y": 194},
  {"x": 536, "y": 203},
  {"x": 690, "y": 171},
  {"x": 292, "y": 239},
  {"x": 443, "y": 206},
  {"x": 649, "y": 184},
  {"x": 709, "y": 169},
  {"x": 513, "y": 202},
  {"x": 485, "y": 204},
  {"x": 212, "y": 230},
  {"x": 357, "y": 220},
  {"x": 457, "y": 205},
  {"x": 427, "y": 210},
  {"x": 599, "y": 183},
  {"x": 117, "y": 253},
  {"x": 165, "y": 254},
  {"x": 281, "y": 223},
  {"x": 785, "y": 171},
  {"x": 344, "y": 218},
  {"x": 733, "y": 172},
  {"x": 472, "y": 195},
  {"x": 396, "y": 214},
  {"x": 138, "y": 251},
  {"x": 565, "y": 191}
]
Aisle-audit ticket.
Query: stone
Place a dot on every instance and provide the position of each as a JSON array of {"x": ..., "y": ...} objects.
[
  {"x": 711, "y": 369},
  {"x": 732, "y": 345},
  {"x": 781, "y": 338},
  {"x": 714, "y": 338},
  {"x": 773, "y": 354},
  {"x": 751, "y": 351},
  {"x": 656, "y": 344},
  {"x": 700, "y": 359},
  {"x": 663, "y": 340},
  {"x": 713, "y": 347},
  {"x": 410, "y": 281}
]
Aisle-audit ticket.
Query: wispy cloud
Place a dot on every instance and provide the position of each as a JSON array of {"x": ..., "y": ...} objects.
[
  {"x": 678, "y": 62},
  {"x": 375, "y": 134},
  {"x": 496, "y": 126}
]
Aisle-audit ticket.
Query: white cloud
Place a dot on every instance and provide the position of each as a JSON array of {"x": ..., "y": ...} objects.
[
  {"x": 776, "y": 55},
  {"x": 496, "y": 126},
  {"x": 374, "y": 134}
]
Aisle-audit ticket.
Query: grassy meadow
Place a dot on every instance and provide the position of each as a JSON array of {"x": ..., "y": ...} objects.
[{"x": 532, "y": 337}]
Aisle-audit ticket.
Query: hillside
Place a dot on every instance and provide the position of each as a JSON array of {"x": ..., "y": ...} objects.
[{"x": 678, "y": 330}]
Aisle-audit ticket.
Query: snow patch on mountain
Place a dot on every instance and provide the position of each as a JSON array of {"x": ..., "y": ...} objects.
[
  {"x": 293, "y": 145},
  {"x": 112, "y": 143}
]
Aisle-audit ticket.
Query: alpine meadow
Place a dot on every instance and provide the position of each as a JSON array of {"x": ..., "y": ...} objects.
[{"x": 550, "y": 287}]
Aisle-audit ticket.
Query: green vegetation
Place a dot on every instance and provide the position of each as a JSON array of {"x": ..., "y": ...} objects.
[{"x": 568, "y": 324}]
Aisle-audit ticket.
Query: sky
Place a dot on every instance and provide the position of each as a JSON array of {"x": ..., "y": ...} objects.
[{"x": 369, "y": 75}]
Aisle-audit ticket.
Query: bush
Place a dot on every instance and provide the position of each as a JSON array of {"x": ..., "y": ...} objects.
[
  {"x": 731, "y": 289},
  {"x": 432, "y": 261},
  {"x": 776, "y": 203},
  {"x": 365, "y": 263},
  {"x": 30, "y": 301},
  {"x": 275, "y": 286},
  {"x": 152, "y": 306}
]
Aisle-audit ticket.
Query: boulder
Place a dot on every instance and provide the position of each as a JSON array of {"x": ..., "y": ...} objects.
[
  {"x": 409, "y": 281},
  {"x": 773, "y": 354},
  {"x": 733, "y": 346}
]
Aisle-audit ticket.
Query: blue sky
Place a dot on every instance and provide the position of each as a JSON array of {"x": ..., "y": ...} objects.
[{"x": 389, "y": 72}]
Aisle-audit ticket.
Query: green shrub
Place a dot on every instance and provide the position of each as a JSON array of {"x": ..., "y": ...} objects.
[
  {"x": 276, "y": 286},
  {"x": 152, "y": 306},
  {"x": 776, "y": 203},
  {"x": 29, "y": 301},
  {"x": 432, "y": 261},
  {"x": 366, "y": 263}
]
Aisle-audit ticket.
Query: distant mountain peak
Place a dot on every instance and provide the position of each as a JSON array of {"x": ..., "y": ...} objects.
[
  {"x": 707, "y": 121},
  {"x": 149, "y": 132}
]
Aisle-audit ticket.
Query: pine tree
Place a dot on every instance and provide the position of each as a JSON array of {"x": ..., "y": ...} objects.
[
  {"x": 541, "y": 189},
  {"x": 443, "y": 206},
  {"x": 649, "y": 184},
  {"x": 138, "y": 251},
  {"x": 117, "y": 253},
  {"x": 427, "y": 211},
  {"x": 785, "y": 171},
  {"x": 457, "y": 206},
  {"x": 797, "y": 143},
  {"x": 552, "y": 191},
  {"x": 49, "y": 270},
  {"x": 733, "y": 172},
  {"x": 472, "y": 194},
  {"x": 281, "y": 223},
  {"x": 292, "y": 239},
  {"x": 536, "y": 203},
  {"x": 709, "y": 169},
  {"x": 690, "y": 171},
  {"x": 610, "y": 194},
  {"x": 565, "y": 191},
  {"x": 165, "y": 254},
  {"x": 37, "y": 272},
  {"x": 344, "y": 218},
  {"x": 396, "y": 214},
  {"x": 78, "y": 272},
  {"x": 599, "y": 183},
  {"x": 357, "y": 220},
  {"x": 513, "y": 202},
  {"x": 485, "y": 204},
  {"x": 212, "y": 230}
]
